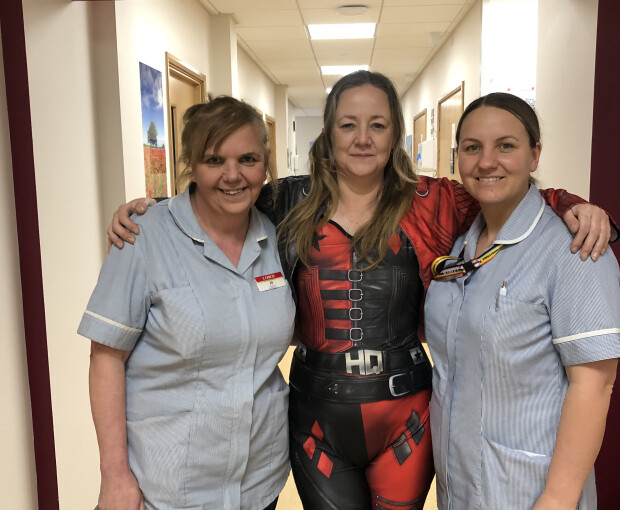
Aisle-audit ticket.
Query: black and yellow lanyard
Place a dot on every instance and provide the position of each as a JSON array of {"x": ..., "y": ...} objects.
[{"x": 451, "y": 268}]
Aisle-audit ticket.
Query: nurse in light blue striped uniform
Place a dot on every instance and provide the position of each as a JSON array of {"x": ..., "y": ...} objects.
[
  {"x": 187, "y": 327},
  {"x": 523, "y": 334}
]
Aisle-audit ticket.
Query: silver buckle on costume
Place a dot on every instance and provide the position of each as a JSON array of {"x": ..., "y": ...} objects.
[
  {"x": 355, "y": 272},
  {"x": 355, "y": 294},
  {"x": 355, "y": 314},
  {"x": 356, "y": 337},
  {"x": 368, "y": 362},
  {"x": 392, "y": 385}
]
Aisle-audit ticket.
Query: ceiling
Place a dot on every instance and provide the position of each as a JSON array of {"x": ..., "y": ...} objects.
[{"x": 274, "y": 34}]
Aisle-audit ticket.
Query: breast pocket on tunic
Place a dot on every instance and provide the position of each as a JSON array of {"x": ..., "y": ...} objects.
[
  {"x": 176, "y": 319},
  {"x": 511, "y": 479},
  {"x": 517, "y": 341}
]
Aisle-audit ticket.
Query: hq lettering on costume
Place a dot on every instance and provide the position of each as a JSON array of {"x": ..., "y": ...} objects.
[{"x": 270, "y": 281}]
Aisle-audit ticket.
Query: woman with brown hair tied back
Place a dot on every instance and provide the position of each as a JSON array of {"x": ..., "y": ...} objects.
[{"x": 524, "y": 336}]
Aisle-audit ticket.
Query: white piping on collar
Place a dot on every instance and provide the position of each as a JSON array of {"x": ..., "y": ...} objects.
[
  {"x": 258, "y": 238},
  {"x": 179, "y": 224},
  {"x": 528, "y": 231},
  {"x": 525, "y": 234}
]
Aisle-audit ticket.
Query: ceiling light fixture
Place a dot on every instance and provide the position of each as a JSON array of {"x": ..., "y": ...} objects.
[
  {"x": 341, "y": 70},
  {"x": 352, "y": 9},
  {"x": 342, "y": 31}
]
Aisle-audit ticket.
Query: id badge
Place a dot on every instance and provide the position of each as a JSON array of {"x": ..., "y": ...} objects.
[{"x": 270, "y": 281}]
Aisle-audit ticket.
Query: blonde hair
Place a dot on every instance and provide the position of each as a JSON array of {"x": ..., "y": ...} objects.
[{"x": 399, "y": 183}]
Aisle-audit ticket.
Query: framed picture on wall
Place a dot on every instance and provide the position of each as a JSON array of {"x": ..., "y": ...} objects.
[{"x": 153, "y": 134}]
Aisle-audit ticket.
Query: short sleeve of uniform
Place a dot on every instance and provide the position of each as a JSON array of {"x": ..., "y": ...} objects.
[
  {"x": 118, "y": 307},
  {"x": 584, "y": 306}
]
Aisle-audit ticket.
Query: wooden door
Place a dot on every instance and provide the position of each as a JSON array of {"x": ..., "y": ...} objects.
[
  {"x": 185, "y": 88},
  {"x": 419, "y": 133},
  {"x": 271, "y": 131},
  {"x": 450, "y": 109}
]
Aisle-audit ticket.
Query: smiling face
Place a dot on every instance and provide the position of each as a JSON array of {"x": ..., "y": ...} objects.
[
  {"x": 228, "y": 180},
  {"x": 495, "y": 158},
  {"x": 362, "y": 135}
]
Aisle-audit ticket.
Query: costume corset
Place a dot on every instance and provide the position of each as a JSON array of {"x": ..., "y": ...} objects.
[{"x": 342, "y": 307}]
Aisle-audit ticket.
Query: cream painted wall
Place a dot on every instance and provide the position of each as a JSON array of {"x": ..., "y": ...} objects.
[
  {"x": 281, "y": 110},
  {"x": 565, "y": 92},
  {"x": 456, "y": 61},
  {"x": 257, "y": 89},
  {"x": 509, "y": 45},
  {"x": 145, "y": 31},
  {"x": 254, "y": 87},
  {"x": 64, "y": 125},
  {"x": 17, "y": 470},
  {"x": 223, "y": 54}
]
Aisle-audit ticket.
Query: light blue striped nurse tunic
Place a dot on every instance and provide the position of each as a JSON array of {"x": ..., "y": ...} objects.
[
  {"x": 206, "y": 403},
  {"x": 499, "y": 339}
]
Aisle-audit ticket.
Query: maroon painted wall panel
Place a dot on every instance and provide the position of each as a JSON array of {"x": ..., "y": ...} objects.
[{"x": 604, "y": 189}]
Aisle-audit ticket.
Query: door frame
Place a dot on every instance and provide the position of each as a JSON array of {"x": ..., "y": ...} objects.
[
  {"x": 414, "y": 148},
  {"x": 175, "y": 67},
  {"x": 270, "y": 123},
  {"x": 461, "y": 89}
]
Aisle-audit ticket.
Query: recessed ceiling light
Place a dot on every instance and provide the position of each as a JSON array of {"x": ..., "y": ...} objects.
[
  {"x": 341, "y": 70},
  {"x": 342, "y": 31}
]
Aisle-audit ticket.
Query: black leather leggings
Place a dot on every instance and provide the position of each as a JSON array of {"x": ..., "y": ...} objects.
[{"x": 273, "y": 505}]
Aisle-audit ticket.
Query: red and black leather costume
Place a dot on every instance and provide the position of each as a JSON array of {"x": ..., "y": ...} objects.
[{"x": 360, "y": 379}]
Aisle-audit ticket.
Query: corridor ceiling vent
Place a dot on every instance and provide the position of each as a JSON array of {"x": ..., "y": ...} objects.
[{"x": 352, "y": 9}]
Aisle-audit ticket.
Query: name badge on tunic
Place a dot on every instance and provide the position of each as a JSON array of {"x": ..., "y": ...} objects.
[{"x": 270, "y": 281}]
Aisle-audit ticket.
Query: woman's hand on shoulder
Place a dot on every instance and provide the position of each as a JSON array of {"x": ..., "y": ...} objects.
[
  {"x": 592, "y": 230},
  {"x": 120, "y": 492},
  {"x": 122, "y": 230}
]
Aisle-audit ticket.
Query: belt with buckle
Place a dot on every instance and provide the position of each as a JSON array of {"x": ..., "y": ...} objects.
[
  {"x": 362, "y": 361},
  {"x": 359, "y": 389}
]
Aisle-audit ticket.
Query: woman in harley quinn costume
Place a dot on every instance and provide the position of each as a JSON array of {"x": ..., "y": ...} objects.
[{"x": 357, "y": 238}]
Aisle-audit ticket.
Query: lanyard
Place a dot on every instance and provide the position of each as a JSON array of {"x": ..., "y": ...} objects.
[{"x": 458, "y": 268}]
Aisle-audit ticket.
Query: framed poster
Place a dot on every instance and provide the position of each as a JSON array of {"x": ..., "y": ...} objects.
[{"x": 153, "y": 134}]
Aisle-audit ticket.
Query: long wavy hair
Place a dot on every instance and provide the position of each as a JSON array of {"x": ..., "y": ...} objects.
[{"x": 399, "y": 181}]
